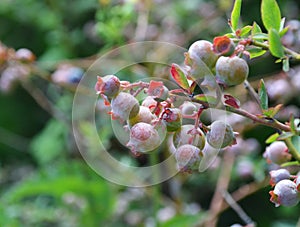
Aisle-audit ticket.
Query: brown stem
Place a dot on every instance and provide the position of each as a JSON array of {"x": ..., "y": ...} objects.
[
  {"x": 293, "y": 54},
  {"x": 264, "y": 121}
]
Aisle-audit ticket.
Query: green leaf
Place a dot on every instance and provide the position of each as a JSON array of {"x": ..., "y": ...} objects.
[
  {"x": 282, "y": 23},
  {"x": 285, "y": 65},
  {"x": 179, "y": 76},
  {"x": 285, "y": 135},
  {"x": 256, "y": 52},
  {"x": 272, "y": 138},
  {"x": 270, "y": 14},
  {"x": 272, "y": 111},
  {"x": 206, "y": 98},
  {"x": 235, "y": 14},
  {"x": 260, "y": 36},
  {"x": 292, "y": 124},
  {"x": 283, "y": 31},
  {"x": 255, "y": 29},
  {"x": 276, "y": 47},
  {"x": 183, "y": 220},
  {"x": 245, "y": 30},
  {"x": 263, "y": 96},
  {"x": 296, "y": 142}
]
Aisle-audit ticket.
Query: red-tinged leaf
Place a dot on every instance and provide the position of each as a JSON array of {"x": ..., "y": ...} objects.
[
  {"x": 206, "y": 98},
  {"x": 231, "y": 101},
  {"x": 272, "y": 138},
  {"x": 179, "y": 76},
  {"x": 193, "y": 86},
  {"x": 272, "y": 111}
]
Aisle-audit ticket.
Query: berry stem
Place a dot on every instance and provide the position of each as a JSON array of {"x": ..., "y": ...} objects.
[
  {"x": 251, "y": 91},
  {"x": 292, "y": 149},
  {"x": 268, "y": 122},
  {"x": 292, "y": 53}
]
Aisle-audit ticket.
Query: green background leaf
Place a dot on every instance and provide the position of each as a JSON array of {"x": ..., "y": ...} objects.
[
  {"x": 270, "y": 14},
  {"x": 235, "y": 15},
  {"x": 276, "y": 47},
  {"x": 263, "y": 96}
]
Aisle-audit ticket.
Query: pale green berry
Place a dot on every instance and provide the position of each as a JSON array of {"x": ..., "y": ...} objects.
[
  {"x": 143, "y": 138},
  {"x": 202, "y": 49},
  {"x": 231, "y": 71},
  {"x": 188, "y": 134},
  {"x": 220, "y": 135},
  {"x": 124, "y": 106}
]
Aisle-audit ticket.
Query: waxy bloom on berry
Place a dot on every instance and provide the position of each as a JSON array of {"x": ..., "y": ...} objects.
[
  {"x": 220, "y": 135},
  {"x": 278, "y": 175},
  {"x": 285, "y": 193},
  {"x": 158, "y": 91},
  {"x": 277, "y": 153},
  {"x": 231, "y": 71},
  {"x": 188, "y": 134},
  {"x": 124, "y": 106},
  {"x": 108, "y": 85},
  {"x": 144, "y": 115},
  {"x": 202, "y": 50},
  {"x": 188, "y": 157},
  {"x": 143, "y": 138}
]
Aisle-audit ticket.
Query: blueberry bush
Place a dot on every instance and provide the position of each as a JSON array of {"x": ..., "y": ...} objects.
[{"x": 226, "y": 111}]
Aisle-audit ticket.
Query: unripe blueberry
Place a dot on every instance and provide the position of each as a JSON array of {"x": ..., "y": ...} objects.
[
  {"x": 144, "y": 115},
  {"x": 25, "y": 55},
  {"x": 124, "y": 106},
  {"x": 158, "y": 91},
  {"x": 277, "y": 153},
  {"x": 188, "y": 108},
  {"x": 231, "y": 71},
  {"x": 108, "y": 85},
  {"x": 278, "y": 175},
  {"x": 220, "y": 135},
  {"x": 172, "y": 118},
  {"x": 149, "y": 102},
  {"x": 143, "y": 138},
  {"x": 188, "y": 157},
  {"x": 285, "y": 193},
  {"x": 202, "y": 50},
  {"x": 189, "y": 135},
  {"x": 223, "y": 45}
]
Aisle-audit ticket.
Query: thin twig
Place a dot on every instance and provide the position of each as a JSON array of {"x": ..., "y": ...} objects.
[
  {"x": 264, "y": 121},
  {"x": 237, "y": 208},
  {"x": 251, "y": 91},
  {"x": 44, "y": 102},
  {"x": 222, "y": 184}
]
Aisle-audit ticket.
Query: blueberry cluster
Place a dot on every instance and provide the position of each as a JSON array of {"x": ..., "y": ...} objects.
[{"x": 286, "y": 191}]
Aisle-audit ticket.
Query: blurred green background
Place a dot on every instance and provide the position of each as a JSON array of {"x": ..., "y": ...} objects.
[{"x": 43, "y": 179}]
